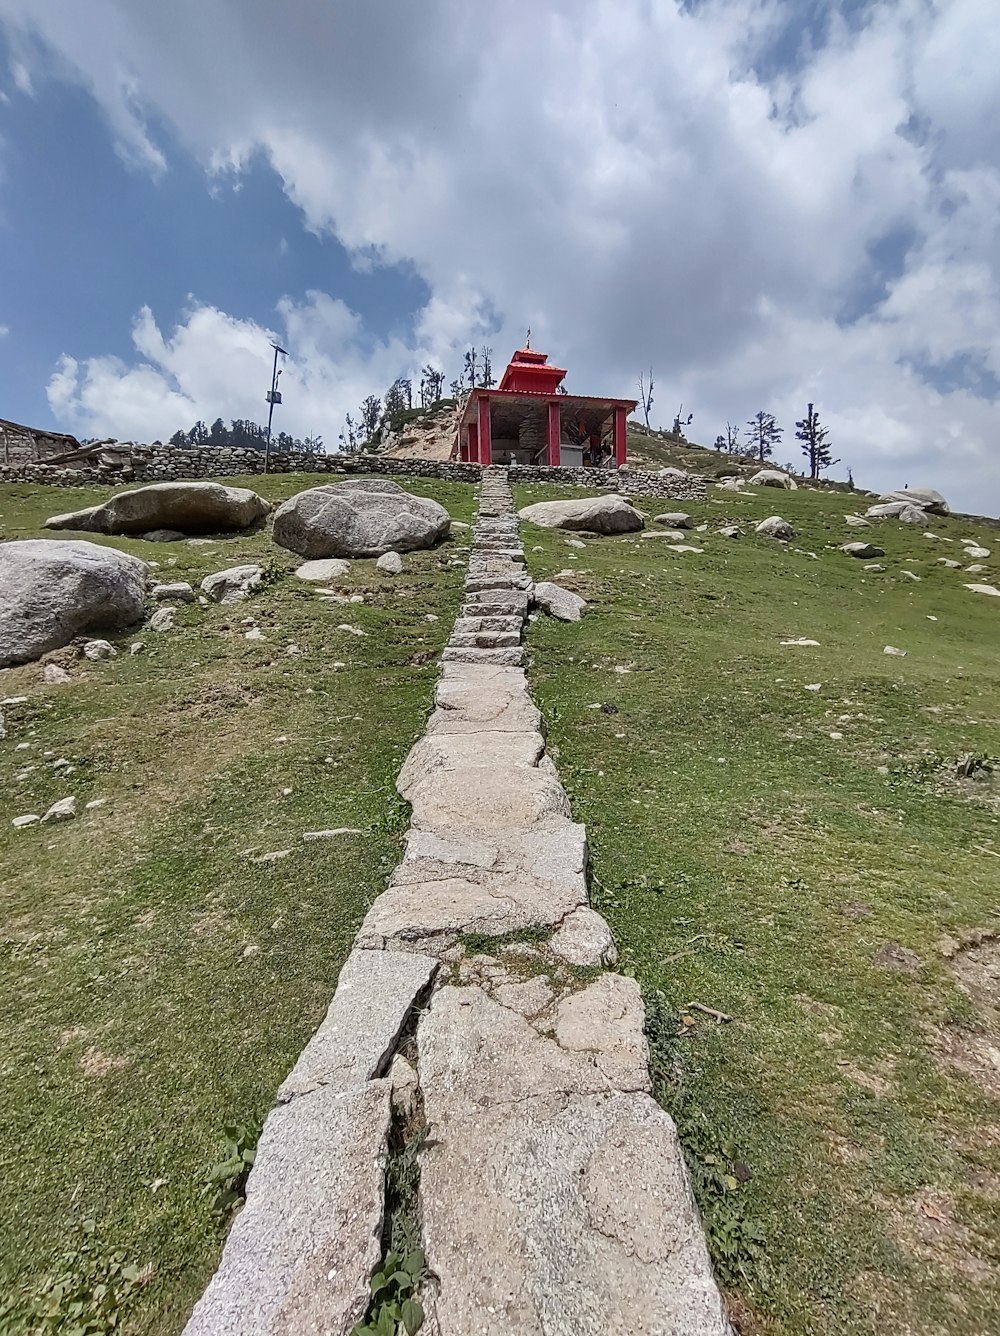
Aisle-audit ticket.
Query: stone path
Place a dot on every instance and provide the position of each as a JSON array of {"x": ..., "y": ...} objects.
[{"x": 553, "y": 1195}]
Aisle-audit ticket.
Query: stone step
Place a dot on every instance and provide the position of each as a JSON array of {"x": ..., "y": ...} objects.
[
  {"x": 470, "y": 625},
  {"x": 484, "y": 639},
  {"x": 504, "y": 658}
]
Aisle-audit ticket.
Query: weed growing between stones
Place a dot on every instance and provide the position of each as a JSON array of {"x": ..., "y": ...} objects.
[
  {"x": 394, "y": 1311},
  {"x": 226, "y": 1182}
]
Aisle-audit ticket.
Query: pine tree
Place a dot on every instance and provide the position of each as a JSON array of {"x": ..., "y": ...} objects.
[
  {"x": 815, "y": 445},
  {"x": 371, "y": 413},
  {"x": 486, "y": 376},
  {"x": 763, "y": 434}
]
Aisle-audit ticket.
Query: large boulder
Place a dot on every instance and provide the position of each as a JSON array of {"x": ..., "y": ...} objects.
[
  {"x": 773, "y": 478},
  {"x": 775, "y": 527},
  {"x": 184, "y": 507},
  {"x": 358, "y": 518},
  {"x": 863, "y": 551},
  {"x": 557, "y": 601},
  {"x": 923, "y": 498},
  {"x": 53, "y": 591},
  {"x": 592, "y": 514}
]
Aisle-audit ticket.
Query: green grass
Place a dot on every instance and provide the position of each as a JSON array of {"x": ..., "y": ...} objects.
[
  {"x": 749, "y": 861},
  {"x": 157, "y": 984}
]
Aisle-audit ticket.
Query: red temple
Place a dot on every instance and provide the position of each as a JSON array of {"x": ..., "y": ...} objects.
[{"x": 527, "y": 419}]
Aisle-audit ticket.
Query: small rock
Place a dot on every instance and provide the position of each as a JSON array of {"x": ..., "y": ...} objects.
[
  {"x": 813, "y": 686},
  {"x": 99, "y": 649},
  {"x": 857, "y": 522},
  {"x": 801, "y": 641},
  {"x": 292, "y": 650},
  {"x": 875, "y": 569},
  {"x": 232, "y": 585},
  {"x": 179, "y": 590},
  {"x": 897, "y": 653},
  {"x": 351, "y": 630},
  {"x": 975, "y": 569},
  {"x": 984, "y": 589},
  {"x": 255, "y": 633},
  {"x": 892, "y": 956},
  {"x": 331, "y": 834},
  {"x": 163, "y": 619},
  {"x": 95, "y": 803},
  {"x": 137, "y": 648},
  {"x": 405, "y": 1087},
  {"x": 863, "y": 551},
  {"x": 730, "y": 531},
  {"x": 775, "y": 527},
  {"x": 55, "y": 675},
  {"x": 674, "y": 520},
  {"x": 681, "y": 547},
  {"x": 946, "y": 561},
  {"x": 251, "y": 949},
  {"x": 390, "y": 563},
  {"x": 273, "y": 857},
  {"x": 63, "y": 810},
  {"x": 909, "y": 575},
  {"x": 20, "y": 822},
  {"x": 323, "y": 569},
  {"x": 976, "y": 552}
]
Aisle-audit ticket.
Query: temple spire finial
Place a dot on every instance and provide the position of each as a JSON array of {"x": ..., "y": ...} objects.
[{"x": 527, "y": 342}]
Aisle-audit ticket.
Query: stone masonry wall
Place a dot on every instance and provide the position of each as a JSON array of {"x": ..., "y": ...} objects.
[{"x": 166, "y": 463}]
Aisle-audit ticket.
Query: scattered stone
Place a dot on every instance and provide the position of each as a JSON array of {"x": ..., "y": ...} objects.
[
  {"x": 359, "y": 518},
  {"x": 351, "y": 630},
  {"x": 54, "y": 591},
  {"x": 95, "y": 803},
  {"x": 975, "y": 569},
  {"x": 163, "y": 619},
  {"x": 775, "y": 527},
  {"x": 674, "y": 520},
  {"x": 99, "y": 649},
  {"x": 162, "y": 536},
  {"x": 814, "y": 686},
  {"x": 984, "y": 589},
  {"x": 730, "y": 531},
  {"x": 952, "y": 565},
  {"x": 189, "y": 507},
  {"x": 862, "y": 551},
  {"x": 574, "y": 542},
  {"x": 857, "y": 522},
  {"x": 558, "y": 602},
  {"x": 20, "y": 822},
  {"x": 972, "y": 767},
  {"x": 681, "y": 548},
  {"x": 875, "y": 569},
  {"x": 801, "y": 641},
  {"x": 913, "y": 515},
  {"x": 584, "y": 938},
  {"x": 976, "y": 552},
  {"x": 330, "y": 568},
  {"x": 54, "y": 675},
  {"x": 897, "y": 653},
  {"x": 254, "y": 633},
  {"x": 609, "y": 514},
  {"x": 674, "y": 534},
  {"x": 773, "y": 478},
  {"x": 272, "y": 857},
  {"x": 137, "y": 648},
  {"x": 233, "y": 585},
  {"x": 63, "y": 810},
  {"x": 390, "y": 563},
  {"x": 179, "y": 590},
  {"x": 909, "y": 575}
]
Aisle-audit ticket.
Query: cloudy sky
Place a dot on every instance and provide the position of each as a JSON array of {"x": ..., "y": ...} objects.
[{"x": 767, "y": 201}]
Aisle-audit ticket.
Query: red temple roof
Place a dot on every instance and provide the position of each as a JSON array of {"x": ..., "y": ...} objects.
[{"x": 528, "y": 372}]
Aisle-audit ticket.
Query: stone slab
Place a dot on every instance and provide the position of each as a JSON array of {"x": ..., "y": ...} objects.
[
  {"x": 551, "y": 1207},
  {"x": 478, "y": 798},
  {"x": 584, "y": 938},
  {"x": 356, "y": 1039},
  {"x": 454, "y": 751},
  {"x": 299, "y": 1254},
  {"x": 512, "y": 657}
]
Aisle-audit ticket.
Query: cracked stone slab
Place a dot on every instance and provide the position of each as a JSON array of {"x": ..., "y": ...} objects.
[
  {"x": 456, "y": 751},
  {"x": 552, "y": 1205},
  {"x": 299, "y": 1254},
  {"x": 357, "y": 1037},
  {"x": 480, "y": 798},
  {"x": 513, "y": 657}
]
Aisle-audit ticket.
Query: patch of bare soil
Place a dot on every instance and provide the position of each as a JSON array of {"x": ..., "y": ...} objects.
[
  {"x": 975, "y": 1049},
  {"x": 95, "y": 1063},
  {"x": 892, "y": 956},
  {"x": 926, "y": 1226}
]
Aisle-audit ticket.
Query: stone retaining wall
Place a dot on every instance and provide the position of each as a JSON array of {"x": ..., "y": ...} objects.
[
  {"x": 167, "y": 463},
  {"x": 552, "y": 1197}
]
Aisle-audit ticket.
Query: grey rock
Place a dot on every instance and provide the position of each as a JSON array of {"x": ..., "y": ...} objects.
[
  {"x": 913, "y": 515},
  {"x": 99, "y": 649},
  {"x": 773, "y": 478},
  {"x": 554, "y": 1204},
  {"x": 405, "y": 1087},
  {"x": 896, "y": 653},
  {"x": 674, "y": 519},
  {"x": 321, "y": 571},
  {"x": 162, "y": 536},
  {"x": 888, "y": 510},
  {"x": 233, "y": 585},
  {"x": 876, "y": 568},
  {"x": 584, "y": 938},
  {"x": 775, "y": 527},
  {"x": 54, "y": 675},
  {"x": 63, "y": 810},
  {"x": 558, "y": 602},
  {"x": 390, "y": 563},
  {"x": 300, "y": 1252},
  {"x": 672, "y": 474},
  {"x": 984, "y": 589},
  {"x": 180, "y": 591},
  {"x": 21, "y": 822},
  {"x": 976, "y": 552},
  {"x": 358, "y": 519},
  {"x": 730, "y": 531},
  {"x": 951, "y": 565},
  {"x": 922, "y": 498},
  {"x": 862, "y": 551},
  {"x": 163, "y": 619},
  {"x": 54, "y": 591},
  {"x": 188, "y": 507},
  {"x": 857, "y": 522},
  {"x": 608, "y": 514}
]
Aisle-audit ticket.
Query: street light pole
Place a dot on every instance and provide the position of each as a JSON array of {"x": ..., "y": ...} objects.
[{"x": 273, "y": 397}]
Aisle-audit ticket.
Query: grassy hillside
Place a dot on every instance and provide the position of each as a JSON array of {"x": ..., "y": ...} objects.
[
  {"x": 160, "y": 976},
  {"x": 779, "y": 834}
]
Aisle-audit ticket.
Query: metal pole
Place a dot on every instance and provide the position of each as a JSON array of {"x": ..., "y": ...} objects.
[{"x": 270, "y": 410}]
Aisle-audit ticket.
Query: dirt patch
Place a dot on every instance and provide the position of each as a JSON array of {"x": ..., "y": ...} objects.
[
  {"x": 974, "y": 1049},
  {"x": 871, "y": 1081},
  {"x": 892, "y": 956},
  {"x": 95, "y": 1063},
  {"x": 925, "y": 1225},
  {"x": 855, "y": 909}
]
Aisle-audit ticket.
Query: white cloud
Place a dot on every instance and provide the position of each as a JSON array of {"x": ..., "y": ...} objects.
[{"x": 614, "y": 174}]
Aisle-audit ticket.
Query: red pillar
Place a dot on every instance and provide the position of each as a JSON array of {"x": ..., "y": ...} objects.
[
  {"x": 472, "y": 449},
  {"x": 553, "y": 438},
  {"x": 485, "y": 432},
  {"x": 619, "y": 437}
]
